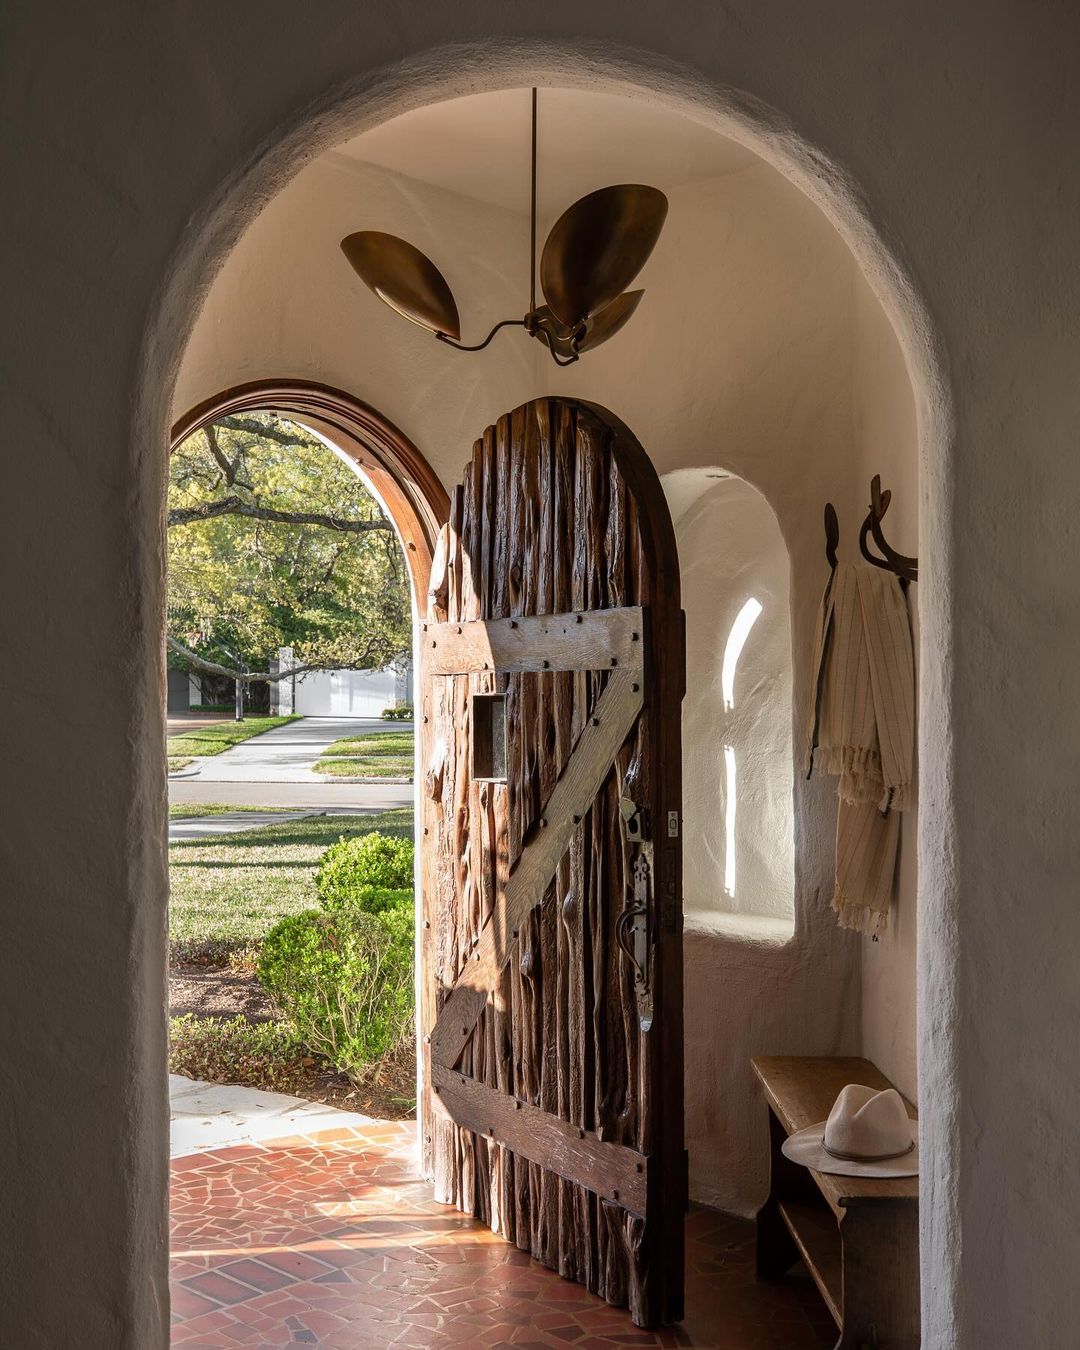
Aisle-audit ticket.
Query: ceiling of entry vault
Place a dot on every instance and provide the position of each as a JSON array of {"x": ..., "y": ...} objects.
[{"x": 479, "y": 146}]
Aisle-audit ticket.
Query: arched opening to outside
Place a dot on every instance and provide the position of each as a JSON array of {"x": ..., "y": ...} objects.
[{"x": 288, "y": 562}]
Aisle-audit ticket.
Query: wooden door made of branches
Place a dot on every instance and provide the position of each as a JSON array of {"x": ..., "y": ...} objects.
[{"x": 551, "y": 1009}]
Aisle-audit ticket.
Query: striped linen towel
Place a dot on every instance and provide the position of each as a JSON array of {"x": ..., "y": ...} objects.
[{"x": 862, "y": 731}]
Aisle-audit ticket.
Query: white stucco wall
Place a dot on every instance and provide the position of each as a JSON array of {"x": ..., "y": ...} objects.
[
  {"x": 885, "y": 432},
  {"x": 941, "y": 141},
  {"x": 286, "y": 303}
]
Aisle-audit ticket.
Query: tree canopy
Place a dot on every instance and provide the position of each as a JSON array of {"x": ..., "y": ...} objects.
[{"x": 274, "y": 541}]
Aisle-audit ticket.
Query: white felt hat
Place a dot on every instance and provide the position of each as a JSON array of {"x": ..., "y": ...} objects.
[{"x": 868, "y": 1134}]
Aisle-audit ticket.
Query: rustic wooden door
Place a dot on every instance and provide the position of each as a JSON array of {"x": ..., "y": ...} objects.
[{"x": 551, "y": 956}]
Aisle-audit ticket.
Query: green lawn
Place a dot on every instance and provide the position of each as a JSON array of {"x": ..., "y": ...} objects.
[
  {"x": 196, "y": 810},
  {"x": 380, "y": 754},
  {"x": 178, "y": 763},
  {"x": 221, "y": 736},
  {"x": 227, "y": 891}
]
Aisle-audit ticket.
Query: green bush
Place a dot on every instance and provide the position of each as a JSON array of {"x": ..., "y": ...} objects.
[
  {"x": 350, "y": 870},
  {"x": 378, "y": 900},
  {"x": 343, "y": 980},
  {"x": 401, "y": 712}
]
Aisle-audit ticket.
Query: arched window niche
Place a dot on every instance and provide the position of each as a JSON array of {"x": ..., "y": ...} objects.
[{"x": 739, "y": 865}]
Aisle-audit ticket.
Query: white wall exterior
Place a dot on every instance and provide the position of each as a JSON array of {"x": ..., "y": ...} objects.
[
  {"x": 941, "y": 141},
  {"x": 346, "y": 693}
]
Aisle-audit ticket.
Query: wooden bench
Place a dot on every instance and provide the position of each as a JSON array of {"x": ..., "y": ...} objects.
[{"x": 858, "y": 1237}]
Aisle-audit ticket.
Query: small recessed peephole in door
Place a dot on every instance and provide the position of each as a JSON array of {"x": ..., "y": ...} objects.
[{"x": 489, "y": 737}]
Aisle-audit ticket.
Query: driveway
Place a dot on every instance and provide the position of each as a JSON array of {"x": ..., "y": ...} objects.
[{"x": 286, "y": 754}]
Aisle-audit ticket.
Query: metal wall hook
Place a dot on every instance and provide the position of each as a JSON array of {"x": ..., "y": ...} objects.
[
  {"x": 907, "y": 569},
  {"x": 832, "y": 534}
]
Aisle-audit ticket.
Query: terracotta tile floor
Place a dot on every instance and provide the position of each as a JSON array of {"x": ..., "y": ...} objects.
[{"x": 332, "y": 1241}]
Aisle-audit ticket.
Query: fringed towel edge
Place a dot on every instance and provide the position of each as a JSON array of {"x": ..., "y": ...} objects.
[{"x": 859, "y": 918}]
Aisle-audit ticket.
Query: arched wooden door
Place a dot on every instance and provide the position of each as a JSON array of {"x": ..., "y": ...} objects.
[{"x": 551, "y": 681}]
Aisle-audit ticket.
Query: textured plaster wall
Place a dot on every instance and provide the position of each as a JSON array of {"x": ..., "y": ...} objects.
[
  {"x": 885, "y": 435},
  {"x": 286, "y": 303},
  {"x": 137, "y": 142}
]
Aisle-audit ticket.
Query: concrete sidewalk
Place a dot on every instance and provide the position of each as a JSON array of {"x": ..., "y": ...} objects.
[
  {"x": 215, "y": 1115},
  {"x": 232, "y": 822}
]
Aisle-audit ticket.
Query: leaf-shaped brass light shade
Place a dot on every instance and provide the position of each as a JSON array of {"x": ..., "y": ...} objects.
[
  {"x": 607, "y": 322},
  {"x": 405, "y": 279},
  {"x": 597, "y": 247}
]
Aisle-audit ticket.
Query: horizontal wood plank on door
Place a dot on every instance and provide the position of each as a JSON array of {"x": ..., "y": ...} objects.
[
  {"x": 609, "y": 1170},
  {"x": 600, "y": 740},
  {"x": 592, "y": 640}
]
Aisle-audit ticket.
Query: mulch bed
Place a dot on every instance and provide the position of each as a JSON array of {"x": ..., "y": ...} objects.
[
  {"x": 215, "y": 991},
  {"x": 228, "y": 992}
]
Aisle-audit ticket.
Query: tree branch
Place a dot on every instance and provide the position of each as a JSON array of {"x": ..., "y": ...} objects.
[
  {"x": 229, "y": 470},
  {"x": 236, "y": 506},
  {"x": 248, "y": 677},
  {"x": 237, "y": 422}
]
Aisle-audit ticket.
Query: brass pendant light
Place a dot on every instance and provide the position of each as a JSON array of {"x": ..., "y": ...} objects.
[{"x": 594, "y": 251}]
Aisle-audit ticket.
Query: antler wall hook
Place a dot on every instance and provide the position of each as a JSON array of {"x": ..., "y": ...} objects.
[{"x": 907, "y": 569}]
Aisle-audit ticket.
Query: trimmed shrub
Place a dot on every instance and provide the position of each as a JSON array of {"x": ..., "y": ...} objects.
[
  {"x": 350, "y": 870},
  {"x": 343, "y": 980},
  {"x": 402, "y": 712}
]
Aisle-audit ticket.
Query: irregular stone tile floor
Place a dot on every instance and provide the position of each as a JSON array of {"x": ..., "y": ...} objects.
[{"x": 331, "y": 1240}]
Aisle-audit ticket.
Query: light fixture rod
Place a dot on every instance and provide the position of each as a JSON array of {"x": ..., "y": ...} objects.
[{"x": 460, "y": 346}]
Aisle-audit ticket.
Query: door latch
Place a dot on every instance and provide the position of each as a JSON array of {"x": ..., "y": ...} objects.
[{"x": 632, "y": 935}]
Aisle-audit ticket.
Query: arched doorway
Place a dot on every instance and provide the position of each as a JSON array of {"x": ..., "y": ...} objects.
[
  {"x": 308, "y": 421},
  {"x": 445, "y": 405},
  {"x": 393, "y": 468}
]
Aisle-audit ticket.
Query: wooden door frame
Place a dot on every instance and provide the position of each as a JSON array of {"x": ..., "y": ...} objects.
[{"x": 409, "y": 487}]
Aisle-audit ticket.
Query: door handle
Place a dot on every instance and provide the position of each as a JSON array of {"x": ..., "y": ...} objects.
[
  {"x": 633, "y": 937},
  {"x": 626, "y": 926}
]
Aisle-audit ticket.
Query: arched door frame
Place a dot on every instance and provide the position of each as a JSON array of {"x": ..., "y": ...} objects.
[{"x": 402, "y": 478}]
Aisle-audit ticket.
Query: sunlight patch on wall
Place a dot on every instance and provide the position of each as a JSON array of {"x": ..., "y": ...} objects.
[{"x": 740, "y": 631}]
